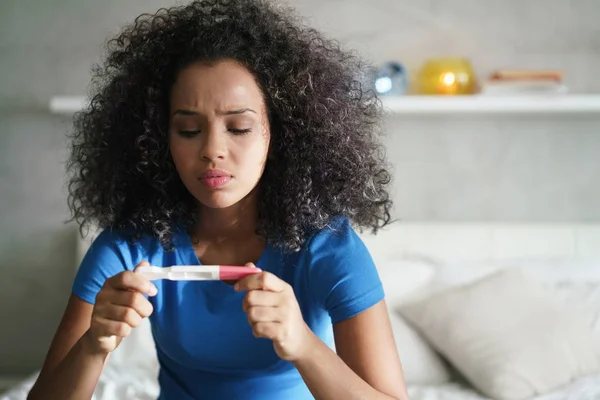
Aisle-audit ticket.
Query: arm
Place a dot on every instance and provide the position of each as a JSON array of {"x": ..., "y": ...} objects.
[
  {"x": 343, "y": 280},
  {"x": 71, "y": 369},
  {"x": 368, "y": 366},
  {"x": 88, "y": 333}
]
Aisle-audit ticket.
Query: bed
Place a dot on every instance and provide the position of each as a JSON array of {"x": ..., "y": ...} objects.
[
  {"x": 419, "y": 263},
  {"x": 137, "y": 384}
]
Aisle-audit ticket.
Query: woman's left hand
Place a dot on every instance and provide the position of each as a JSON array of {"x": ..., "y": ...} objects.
[{"x": 274, "y": 313}]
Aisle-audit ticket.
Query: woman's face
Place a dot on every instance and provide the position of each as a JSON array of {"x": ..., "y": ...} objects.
[{"x": 219, "y": 132}]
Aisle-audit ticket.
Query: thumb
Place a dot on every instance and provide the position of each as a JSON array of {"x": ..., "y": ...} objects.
[
  {"x": 141, "y": 264},
  {"x": 251, "y": 265},
  {"x": 152, "y": 287}
]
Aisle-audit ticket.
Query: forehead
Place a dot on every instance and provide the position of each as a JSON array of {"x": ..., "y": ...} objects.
[{"x": 224, "y": 84}]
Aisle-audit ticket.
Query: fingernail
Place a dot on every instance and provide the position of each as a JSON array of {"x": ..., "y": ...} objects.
[
  {"x": 153, "y": 290},
  {"x": 236, "y": 287}
]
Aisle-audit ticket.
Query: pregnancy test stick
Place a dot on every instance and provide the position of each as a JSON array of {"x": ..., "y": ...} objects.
[{"x": 197, "y": 272}]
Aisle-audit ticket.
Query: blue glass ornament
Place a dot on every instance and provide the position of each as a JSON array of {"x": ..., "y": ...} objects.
[{"x": 391, "y": 79}]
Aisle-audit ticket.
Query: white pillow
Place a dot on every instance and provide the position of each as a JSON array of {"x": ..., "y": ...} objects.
[
  {"x": 137, "y": 350},
  {"x": 583, "y": 296},
  {"x": 543, "y": 270},
  {"x": 420, "y": 362},
  {"x": 404, "y": 280},
  {"x": 576, "y": 280},
  {"x": 510, "y": 336}
]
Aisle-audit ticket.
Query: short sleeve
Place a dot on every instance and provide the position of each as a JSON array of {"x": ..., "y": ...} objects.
[
  {"x": 342, "y": 276},
  {"x": 106, "y": 257}
]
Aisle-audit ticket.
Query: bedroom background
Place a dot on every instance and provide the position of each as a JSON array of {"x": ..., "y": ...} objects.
[{"x": 467, "y": 185}]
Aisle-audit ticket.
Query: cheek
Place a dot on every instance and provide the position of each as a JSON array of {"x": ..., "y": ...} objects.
[
  {"x": 181, "y": 153},
  {"x": 255, "y": 155}
]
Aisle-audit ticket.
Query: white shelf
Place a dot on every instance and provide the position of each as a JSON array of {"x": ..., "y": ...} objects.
[
  {"x": 585, "y": 103},
  {"x": 589, "y": 103},
  {"x": 67, "y": 104}
]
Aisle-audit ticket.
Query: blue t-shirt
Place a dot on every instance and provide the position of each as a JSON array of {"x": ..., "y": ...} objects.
[{"x": 204, "y": 343}]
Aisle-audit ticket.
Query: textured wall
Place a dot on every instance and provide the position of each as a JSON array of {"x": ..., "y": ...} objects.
[{"x": 530, "y": 168}]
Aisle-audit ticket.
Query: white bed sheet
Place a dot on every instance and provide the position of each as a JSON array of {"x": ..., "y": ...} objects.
[
  {"x": 115, "y": 383},
  {"x": 129, "y": 383},
  {"x": 586, "y": 388}
]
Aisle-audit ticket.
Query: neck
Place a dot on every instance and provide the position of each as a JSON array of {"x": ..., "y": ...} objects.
[{"x": 222, "y": 224}]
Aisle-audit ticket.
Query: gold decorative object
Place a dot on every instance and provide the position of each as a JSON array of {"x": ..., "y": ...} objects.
[{"x": 446, "y": 76}]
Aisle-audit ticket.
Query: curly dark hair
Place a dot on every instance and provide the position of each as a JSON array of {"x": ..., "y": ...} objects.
[{"x": 324, "y": 123}]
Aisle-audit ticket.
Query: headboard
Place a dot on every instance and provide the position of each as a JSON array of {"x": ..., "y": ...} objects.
[{"x": 455, "y": 242}]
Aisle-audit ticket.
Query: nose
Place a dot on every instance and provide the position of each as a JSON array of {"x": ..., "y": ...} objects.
[{"x": 214, "y": 147}]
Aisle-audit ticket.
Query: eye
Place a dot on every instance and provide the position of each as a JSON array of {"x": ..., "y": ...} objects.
[
  {"x": 188, "y": 133},
  {"x": 240, "y": 131}
]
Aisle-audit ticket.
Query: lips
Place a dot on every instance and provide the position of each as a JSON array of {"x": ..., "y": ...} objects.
[
  {"x": 214, "y": 173},
  {"x": 215, "y": 178}
]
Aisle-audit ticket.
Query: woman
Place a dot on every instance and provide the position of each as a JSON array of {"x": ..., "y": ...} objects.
[{"x": 225, "y": 132}]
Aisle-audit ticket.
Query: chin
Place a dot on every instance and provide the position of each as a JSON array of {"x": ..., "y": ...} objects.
[
  {"x": 218, "y": 200},
  {"x": 222, "y": 198}
]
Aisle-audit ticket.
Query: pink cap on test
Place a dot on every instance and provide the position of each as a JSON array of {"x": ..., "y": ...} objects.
[{"x": 231, "y": 273}]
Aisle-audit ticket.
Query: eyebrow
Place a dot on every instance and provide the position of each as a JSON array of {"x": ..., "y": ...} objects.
[{"x": 228, "y": 112}]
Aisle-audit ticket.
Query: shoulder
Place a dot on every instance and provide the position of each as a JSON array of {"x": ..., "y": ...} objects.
[
  {"x": 121, "y": 244},
  {"x": 338, "y": 240},
  {"x": 109, "y": 238},
  {"x": 342, "y": 277},
  {"x": 110, "y": 253}
]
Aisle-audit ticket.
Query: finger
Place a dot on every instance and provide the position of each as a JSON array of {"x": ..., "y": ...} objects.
[
  {"x": 152, "y": 290},
  {"x": 263, "y": 314},
  {"x": 132, "y": 300},
  {"x": 261, "y": 298},
  {"x": 129, "y": 280},
  {"x": 233, "y": 282},
  {"x": 123, "y": 314},
  {"x": 108, "y": 327},
  {"x": 267, "y": 330},
  {"x": 261, "y": 281}
]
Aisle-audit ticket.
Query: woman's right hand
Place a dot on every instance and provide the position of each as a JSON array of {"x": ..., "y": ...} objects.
[{"x": 120, "y": 306}]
